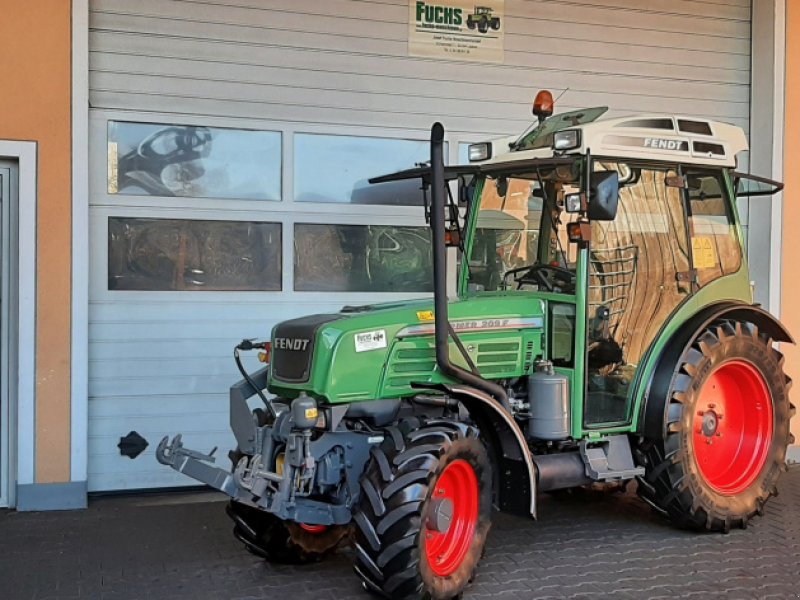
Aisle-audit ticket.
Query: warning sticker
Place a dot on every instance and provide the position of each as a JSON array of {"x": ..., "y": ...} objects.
[
  {"x": 703, "y": 252},
  {"x": 370, "y": 340},
  {"x": 425, "y": 315}
]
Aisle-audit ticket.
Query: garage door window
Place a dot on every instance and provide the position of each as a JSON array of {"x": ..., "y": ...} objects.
[
  {"x": 182, "y": 254},
  {"x": 362, "y": 258},
  {"x": 187, "y": 160},
  {"x": 335, "y": 168}
]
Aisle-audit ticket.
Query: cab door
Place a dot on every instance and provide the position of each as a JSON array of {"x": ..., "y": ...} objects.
[{"x": 638, "y": 273}]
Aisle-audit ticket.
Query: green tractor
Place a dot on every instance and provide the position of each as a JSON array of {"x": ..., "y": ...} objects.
[
  {"x": 483, "y": 19},
  {"x": 602, "y": 330}
]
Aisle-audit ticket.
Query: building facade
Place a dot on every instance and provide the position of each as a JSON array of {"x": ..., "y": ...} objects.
[{"x": 177, "y": 175}]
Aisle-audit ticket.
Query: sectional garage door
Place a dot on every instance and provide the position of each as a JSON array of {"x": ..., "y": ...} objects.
[{"x": 229, "y": 146}]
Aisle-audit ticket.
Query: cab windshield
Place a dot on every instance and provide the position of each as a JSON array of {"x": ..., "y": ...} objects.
[{"x": 520, "y": 239}]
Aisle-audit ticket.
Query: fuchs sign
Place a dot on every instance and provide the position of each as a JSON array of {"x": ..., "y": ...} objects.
[{"x": 457, "y": 30}]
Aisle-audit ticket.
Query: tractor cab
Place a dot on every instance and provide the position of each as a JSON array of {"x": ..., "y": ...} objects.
[{"x": 614, "y": 226}]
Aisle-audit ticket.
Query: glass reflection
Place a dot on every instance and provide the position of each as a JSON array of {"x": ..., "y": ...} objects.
[
  {"x": 186, "y": 160},
  {"x": 335, "y": 168},
  {"x": 179, "y": 254},
  {"x": 362, "y": 258}
]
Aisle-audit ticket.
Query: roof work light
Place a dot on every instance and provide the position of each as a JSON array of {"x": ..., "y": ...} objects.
[
  {"x": 478, "y": 152},
  {"x": 568, "y": 139}
]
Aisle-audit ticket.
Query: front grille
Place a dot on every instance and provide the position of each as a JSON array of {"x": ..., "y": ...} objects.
[{"x": 293, "y": 347}]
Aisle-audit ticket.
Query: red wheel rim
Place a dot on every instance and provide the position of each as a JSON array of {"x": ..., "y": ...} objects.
[
  {"x": 732, "y": 427},
  {"x": 446, "y": 550}
]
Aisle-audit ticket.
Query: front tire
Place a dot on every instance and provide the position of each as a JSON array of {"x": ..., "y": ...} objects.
[
  {"x": 424, "y": 511},
  {"x": 726, "y": 431},
  {"x": 267, "y": 537}
]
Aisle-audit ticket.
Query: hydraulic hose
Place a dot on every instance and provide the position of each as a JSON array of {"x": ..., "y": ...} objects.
[{"x": 250, "y": 345}]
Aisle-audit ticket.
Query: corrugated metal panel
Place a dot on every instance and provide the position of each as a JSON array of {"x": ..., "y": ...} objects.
[
  {"x": 160, "y": 362},
  {"x": 341, "y": 61}
]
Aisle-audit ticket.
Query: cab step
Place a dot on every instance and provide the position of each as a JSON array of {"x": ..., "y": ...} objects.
[{"x": 609, "y": 459}]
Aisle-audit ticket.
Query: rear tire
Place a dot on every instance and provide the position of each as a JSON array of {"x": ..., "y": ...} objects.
[
  {"x": 726, "y": 431},
  {"x": 424, "y": 511}
]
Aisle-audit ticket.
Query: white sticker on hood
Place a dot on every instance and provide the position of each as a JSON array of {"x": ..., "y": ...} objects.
[{"x": 370, "y": 340}]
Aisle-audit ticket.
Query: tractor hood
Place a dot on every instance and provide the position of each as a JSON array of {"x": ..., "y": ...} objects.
[{"x": 377, "y": 351}]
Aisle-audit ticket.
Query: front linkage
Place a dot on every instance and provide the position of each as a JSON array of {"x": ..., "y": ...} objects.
[{"x": 278, "y": 467}]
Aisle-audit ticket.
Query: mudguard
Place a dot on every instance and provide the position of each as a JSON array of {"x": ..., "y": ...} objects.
[
  {"x": 515, "y": 472},
  {"x": 652, "y": 418}
]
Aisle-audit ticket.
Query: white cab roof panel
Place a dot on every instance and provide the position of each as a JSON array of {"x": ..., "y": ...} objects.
[{"x": 648, "y": 137}]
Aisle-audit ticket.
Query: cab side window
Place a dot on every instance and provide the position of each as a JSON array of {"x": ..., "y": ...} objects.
[{"x": 716, "y": 250}]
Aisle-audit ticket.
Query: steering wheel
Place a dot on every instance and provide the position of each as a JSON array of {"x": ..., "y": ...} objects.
[{"x": 554, "y": 279}]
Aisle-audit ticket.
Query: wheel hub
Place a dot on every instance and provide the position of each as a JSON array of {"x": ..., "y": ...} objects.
[
  {"x": 441, "y": 514},
  {"x": 710, "y": 423}
]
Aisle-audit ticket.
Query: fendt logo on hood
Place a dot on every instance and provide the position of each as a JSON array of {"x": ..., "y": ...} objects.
[{"x": 297, "y": 344}]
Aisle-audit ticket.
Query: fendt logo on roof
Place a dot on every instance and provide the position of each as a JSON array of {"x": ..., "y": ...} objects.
[
  {"x": 298, "y": 344},
  {"x": 663, "y": 144}
]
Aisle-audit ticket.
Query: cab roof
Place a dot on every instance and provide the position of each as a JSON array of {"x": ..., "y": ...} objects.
[{"x": 671, "y": 138}]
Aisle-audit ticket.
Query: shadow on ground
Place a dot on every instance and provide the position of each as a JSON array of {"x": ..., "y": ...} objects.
[{"x": 585, "y": 545}]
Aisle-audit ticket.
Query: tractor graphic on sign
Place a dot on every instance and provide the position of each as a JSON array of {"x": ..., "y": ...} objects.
[{"x": 482, "y": 19}]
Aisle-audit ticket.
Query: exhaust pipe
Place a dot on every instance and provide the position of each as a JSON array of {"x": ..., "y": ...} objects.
[
  {"x": 442, "y": 329},
  {"x": 560, "y": 471}
]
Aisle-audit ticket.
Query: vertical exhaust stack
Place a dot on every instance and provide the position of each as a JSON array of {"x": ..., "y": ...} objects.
[{"x": 442, "y": 322}]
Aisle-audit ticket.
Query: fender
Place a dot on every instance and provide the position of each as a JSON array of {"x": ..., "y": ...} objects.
[
  {"x": 516, "y": 474},
  {"x": 652, "y": 415}
]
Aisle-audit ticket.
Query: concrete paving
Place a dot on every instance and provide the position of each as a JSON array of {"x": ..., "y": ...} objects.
[{"x": 585, "y": 545}]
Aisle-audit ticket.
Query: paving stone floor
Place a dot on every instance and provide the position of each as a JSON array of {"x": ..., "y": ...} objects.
[{"x": 585, "y": 545}]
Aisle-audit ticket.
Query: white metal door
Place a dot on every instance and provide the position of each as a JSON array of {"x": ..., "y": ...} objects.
[{"x": 159, "y": 361}]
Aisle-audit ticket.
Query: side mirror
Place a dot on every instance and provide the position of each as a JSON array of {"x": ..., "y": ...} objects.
[
  {"x": 502, "y": 187},
  {"x": 466, "y": 188},
  {"x": 603, "y": 195}
]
